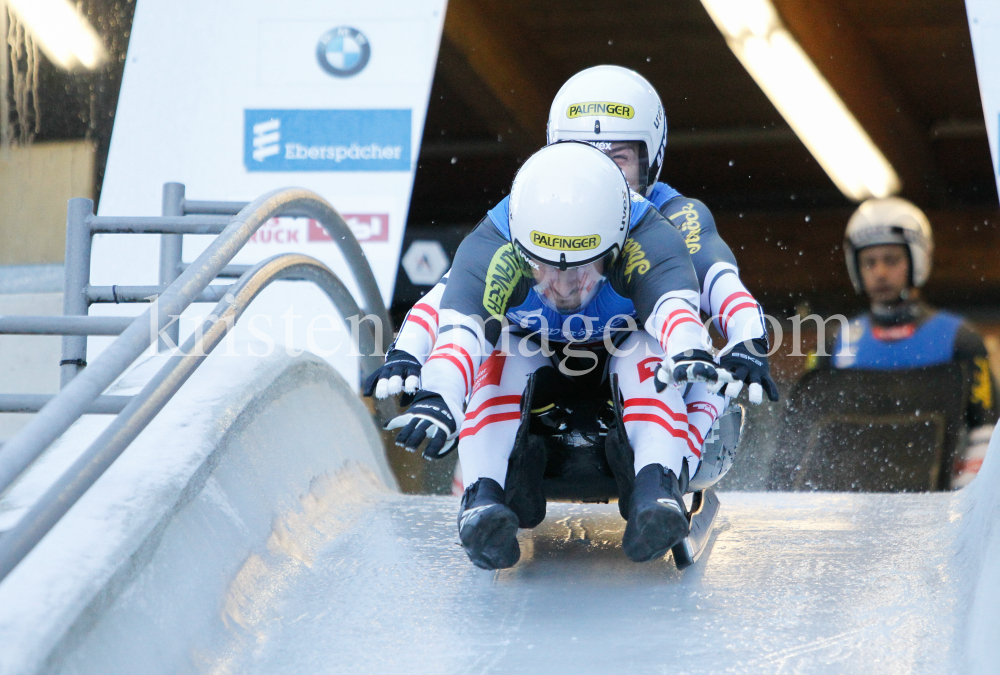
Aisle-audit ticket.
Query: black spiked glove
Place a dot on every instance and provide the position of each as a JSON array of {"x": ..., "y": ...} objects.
[
  {"x": 694, "y": 365},
  {"x": 400, "y": 373},
  {"x": 428, "y": 418},
  {"x": 748, "y": 363}
]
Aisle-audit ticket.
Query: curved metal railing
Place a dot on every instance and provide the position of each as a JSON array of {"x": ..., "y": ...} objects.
[{"x": 81, "y": 393}]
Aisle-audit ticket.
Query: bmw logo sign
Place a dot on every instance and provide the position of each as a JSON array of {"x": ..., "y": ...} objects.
[{"x": 343, "y": 51}]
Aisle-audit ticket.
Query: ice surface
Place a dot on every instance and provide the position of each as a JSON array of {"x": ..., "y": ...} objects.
[{"x": 792, "y": 583}]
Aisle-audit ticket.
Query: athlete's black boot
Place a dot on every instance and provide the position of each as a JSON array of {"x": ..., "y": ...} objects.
[
  {"x": 487, "y": 528},
  {"x": 657, "y": 519}
]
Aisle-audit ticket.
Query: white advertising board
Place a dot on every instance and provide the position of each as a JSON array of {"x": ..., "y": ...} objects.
[
  {"x": 984, "y": 26},
  {"x": 234, "y": 98}
]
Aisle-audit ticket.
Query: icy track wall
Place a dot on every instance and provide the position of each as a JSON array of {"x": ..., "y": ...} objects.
[
  {"x": 978, "y": 558},
  {"x": 253, "y": 465}
]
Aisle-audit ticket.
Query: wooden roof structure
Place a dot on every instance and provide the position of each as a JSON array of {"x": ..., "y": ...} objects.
[{"x": 905, "y": 69}]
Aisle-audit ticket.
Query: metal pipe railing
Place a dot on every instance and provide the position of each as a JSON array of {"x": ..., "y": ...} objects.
[
  {"x": 81, "y": 389},
  {"x": 158, "y": 225},
  {"x": 210, "y": 208},
  {"x": 207, "y": 208},
  {"x": 133, "y": 294},
  {"x": 29, "y": 403},
  {"x": 234, "y": 272},
  {"x": 64, "y": 325},
  {"x": 143, "y": 407}
]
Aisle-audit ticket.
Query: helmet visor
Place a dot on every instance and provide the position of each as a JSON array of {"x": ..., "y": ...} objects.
[
  {"x": 632, "y": 158},
  {"x": 569, "y": 290}
]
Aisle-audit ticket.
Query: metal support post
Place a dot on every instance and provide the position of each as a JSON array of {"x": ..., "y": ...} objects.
[
  {"x": 171, "y": 252},
  {"x": 78, "y": 243}
]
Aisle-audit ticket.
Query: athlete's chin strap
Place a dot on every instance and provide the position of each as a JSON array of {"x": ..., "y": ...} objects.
[{"x": 905, "y": 310}]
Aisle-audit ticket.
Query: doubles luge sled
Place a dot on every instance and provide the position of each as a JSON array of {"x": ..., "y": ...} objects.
[
  {"x": 564, "y": 450},
  {"x": 704, "y": 509}
]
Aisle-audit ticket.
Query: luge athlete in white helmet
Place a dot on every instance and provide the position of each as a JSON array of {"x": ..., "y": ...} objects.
[
  {"x": 619, "y": 112},
  {"x": 572, "y": 264},
  {"x": 889, "y": 249}
]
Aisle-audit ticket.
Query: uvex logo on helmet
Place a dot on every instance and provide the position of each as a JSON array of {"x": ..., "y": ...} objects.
[
  {"x": 594, "y": 108},
  {"x": 558, "y": 243}
]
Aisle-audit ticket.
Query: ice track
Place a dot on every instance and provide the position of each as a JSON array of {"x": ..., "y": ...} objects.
[
  {"x": 271, "y": 539},
  {"x": 791, "y": 585}
]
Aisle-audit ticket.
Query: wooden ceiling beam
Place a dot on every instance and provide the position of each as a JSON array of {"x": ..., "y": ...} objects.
[
  {"x": 506, "y": 61},
  {"x": 489, "y": 110},
  {"x": 851, "y": 66}
]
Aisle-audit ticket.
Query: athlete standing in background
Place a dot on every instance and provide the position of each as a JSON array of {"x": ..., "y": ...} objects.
[{"x": 889, "y": 249}]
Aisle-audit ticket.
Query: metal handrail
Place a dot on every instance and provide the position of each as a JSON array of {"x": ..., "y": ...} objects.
[
  {"x": 102, "y": 405},
  {"x": 120, "y": 294},
  {"x": 17, "y": 542},
  {"x": 64, "y": 325},
  {"x": 82, "y": 391}
]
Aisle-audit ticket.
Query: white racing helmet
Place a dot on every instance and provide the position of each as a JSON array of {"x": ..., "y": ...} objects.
[
  {"x": 890, "y": 220},
  {"x": 569, "y": 216},
  {"x": 605, "y": 104}
]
